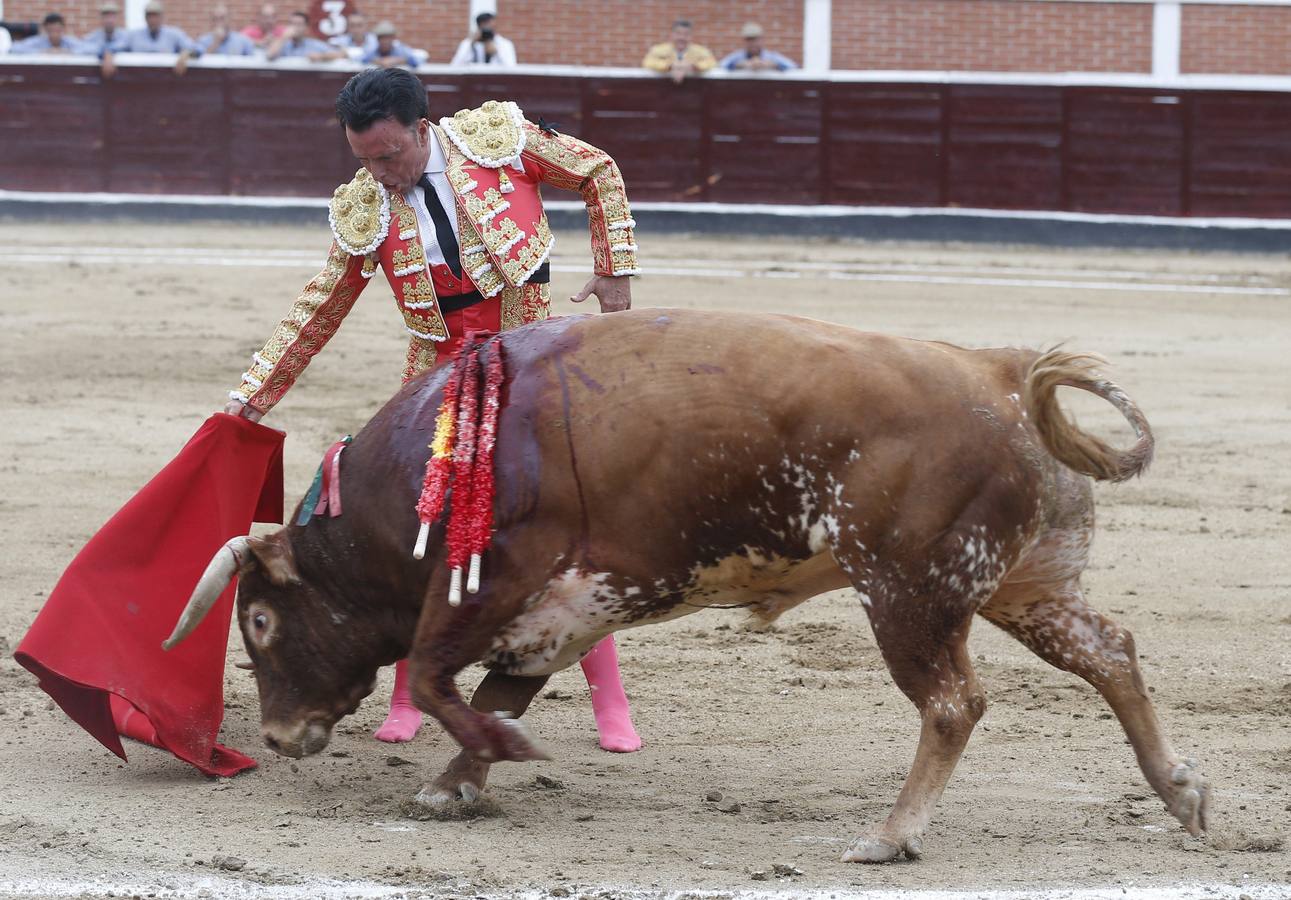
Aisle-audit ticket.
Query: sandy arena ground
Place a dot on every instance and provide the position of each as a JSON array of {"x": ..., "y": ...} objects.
[{"x": 118, "y": 340}]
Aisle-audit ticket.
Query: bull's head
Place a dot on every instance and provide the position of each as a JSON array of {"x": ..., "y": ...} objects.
[{"x": 313, "y": 663}]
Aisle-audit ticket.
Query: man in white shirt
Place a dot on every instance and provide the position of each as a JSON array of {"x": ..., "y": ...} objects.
[{"x": 485, "y": 47}]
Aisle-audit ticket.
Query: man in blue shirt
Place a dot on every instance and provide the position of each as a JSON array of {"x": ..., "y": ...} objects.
[
  {"x": 356, "y": 40},
  {"x": 109, "y": 36},
  {"x": 754, "y": 58},
  {"x": 52, "y": 39},
  {"x": 157, "y": 37},
  {"x": 222, "y": 39},
  {"x": 297, "y": 43},
  {"x": 389, "y": 52}
]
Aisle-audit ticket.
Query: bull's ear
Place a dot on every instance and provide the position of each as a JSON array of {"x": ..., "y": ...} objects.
[{"x": 275, "y": 557}]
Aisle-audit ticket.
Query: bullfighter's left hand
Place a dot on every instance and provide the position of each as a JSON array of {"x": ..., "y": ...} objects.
[{"x": 614, "y": 293}]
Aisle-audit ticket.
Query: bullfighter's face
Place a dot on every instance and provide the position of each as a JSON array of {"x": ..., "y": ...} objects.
[
  {"x": 394, "y": 153},
  {"x": 313, "y": 664}
]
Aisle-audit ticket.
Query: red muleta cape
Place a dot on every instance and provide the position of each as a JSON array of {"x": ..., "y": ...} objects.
[{"x": 96, "y": 644}]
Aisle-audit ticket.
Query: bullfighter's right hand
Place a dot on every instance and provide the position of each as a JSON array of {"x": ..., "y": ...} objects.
[{"x": 246, "y": 411}]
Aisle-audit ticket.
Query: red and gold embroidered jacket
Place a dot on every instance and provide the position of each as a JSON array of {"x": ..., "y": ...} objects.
[{"x": 495, "y": 161}]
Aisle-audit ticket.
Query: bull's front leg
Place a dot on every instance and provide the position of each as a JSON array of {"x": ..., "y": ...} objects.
[
  {"x": 497, "y": 695},
  {"x": 492, "y": 726}
]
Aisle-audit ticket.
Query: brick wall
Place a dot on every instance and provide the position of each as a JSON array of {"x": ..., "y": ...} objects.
[
  {"x": 997, "y": 35},
  {"x": 1251, "y": 40},
  {"x": 969, "y": 35},
  {"x": 619, "y": 32}
]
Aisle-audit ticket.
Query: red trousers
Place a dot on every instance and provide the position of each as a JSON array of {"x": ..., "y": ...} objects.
[{"x": 483, "y": 316}]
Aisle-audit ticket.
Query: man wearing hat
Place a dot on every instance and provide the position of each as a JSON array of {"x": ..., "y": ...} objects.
[
  {"x": 451, "y": 213},
  {"x": 754, "y": 57},
  {"x": 157, "y": 37},
  {"x": 389, "y": 51},
  {"x": 109, "y": 36}
]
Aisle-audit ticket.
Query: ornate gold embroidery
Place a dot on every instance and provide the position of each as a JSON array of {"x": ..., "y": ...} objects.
[
  {"x": 569, "y": 163},
  {"x": 407, "y": 217},
  {"x": 490, "y": 136},
  {"x": 421, "y": 357},
  {"x": 483, "y": 210},
  {"x": 413, "y": 256},
  {"x": 537, "y": 302},
  {"x": 418, "y": 291},
  {"x": 531, "y": 255},
  {"x": 359, "y": 214}
]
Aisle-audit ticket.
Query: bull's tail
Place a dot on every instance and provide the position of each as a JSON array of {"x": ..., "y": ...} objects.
[{"x": 1078, "y": 449}]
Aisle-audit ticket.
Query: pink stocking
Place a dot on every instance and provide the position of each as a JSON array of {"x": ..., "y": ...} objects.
[
  {"x": 404, "y": 719},
  {"x": 609, "y": 703}
]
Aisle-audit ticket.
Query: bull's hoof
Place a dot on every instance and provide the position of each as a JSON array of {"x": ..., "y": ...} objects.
[
  {"x": 881, "y": 849},
  {"x": 1188, "y": 796},
  {"x": 439, "y": 795}
]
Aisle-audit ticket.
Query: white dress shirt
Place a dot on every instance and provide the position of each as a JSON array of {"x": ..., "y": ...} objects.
[
  {"x": 472, "y": 52},
  {"x": 444, "y": 191}
]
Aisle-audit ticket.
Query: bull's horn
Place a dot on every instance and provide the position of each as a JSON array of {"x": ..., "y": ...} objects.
[{"x": 219, "y": 572}]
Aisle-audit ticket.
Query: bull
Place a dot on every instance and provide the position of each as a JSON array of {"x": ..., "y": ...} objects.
[{"x": 655, "y": 462}]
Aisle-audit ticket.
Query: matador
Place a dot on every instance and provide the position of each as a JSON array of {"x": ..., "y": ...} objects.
[{"x": 452, "y": 214}]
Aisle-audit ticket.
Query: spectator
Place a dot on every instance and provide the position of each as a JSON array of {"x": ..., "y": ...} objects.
[
  {"x": 158, "y": 37},
  {"x": 52, "y": 39},
  {"x": 221, "y": 39},
  {"x": 6, "y": 40},
  {"x": 389, "y": 52},
  {"x": 679, "y": 57},
  {"x": 754, "y": 57},
  {"x": 297, "y": 43},
  {"x": 109, "y": 36},
  {"x": 485, "y": 46},
  {"x": 267, "y": 27},
  {"x": 356, "y": 40}
]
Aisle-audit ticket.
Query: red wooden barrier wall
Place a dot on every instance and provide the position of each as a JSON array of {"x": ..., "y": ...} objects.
[{"x": 266, "y": 132}]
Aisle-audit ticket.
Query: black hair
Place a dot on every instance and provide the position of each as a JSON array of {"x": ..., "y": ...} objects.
[
  {"x": 484, "y": 17},
  {"x": 53, "y": 19},
  {"x": 378, "y": 94},
  {"x": 682, "y": 23},
  {"x": 303, "y": 15}
]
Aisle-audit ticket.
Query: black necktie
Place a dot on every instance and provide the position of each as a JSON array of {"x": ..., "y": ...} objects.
[{"x": 443, "y": 227}]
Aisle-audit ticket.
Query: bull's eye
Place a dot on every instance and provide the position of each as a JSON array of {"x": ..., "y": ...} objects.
[{"x": 261, "y": 625}]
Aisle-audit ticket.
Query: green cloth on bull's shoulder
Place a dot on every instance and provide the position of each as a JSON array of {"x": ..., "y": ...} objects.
[{"x": 310, "y": 503}]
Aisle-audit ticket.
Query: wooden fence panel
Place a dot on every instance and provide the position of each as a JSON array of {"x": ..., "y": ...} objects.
[
  {"x": 1005, "y": 146},
  {"x": 52, "y": 133},
  {"x": 272, "y": 132},
  {"x": 884, "y": 144},
  {"x": 1125, "y": 151}
]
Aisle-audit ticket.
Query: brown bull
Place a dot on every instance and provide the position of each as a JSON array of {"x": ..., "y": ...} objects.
[{"x": 655, "y": 462}]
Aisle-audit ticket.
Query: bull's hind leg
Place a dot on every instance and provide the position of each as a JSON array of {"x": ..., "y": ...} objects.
[
  {"x": 929, "y": 661},
  {"x": 1053, "y": 620}
]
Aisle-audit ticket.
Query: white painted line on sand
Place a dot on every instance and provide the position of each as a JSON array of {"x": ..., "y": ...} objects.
[
  {"x": 770, "y": 267},
  {"x": 796, "y": 211},
  {"x": 222, "y": 888},
  {"x": 694, "y": 268}
]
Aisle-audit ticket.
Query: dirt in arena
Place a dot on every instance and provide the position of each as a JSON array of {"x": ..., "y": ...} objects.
[{"x": 119, "y": 340}]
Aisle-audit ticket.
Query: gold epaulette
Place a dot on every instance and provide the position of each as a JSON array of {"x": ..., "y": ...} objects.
[
  {"x": 491, "y": 135},
  {"x": 360, "y": 214}
]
